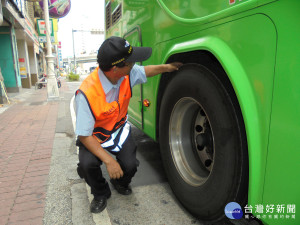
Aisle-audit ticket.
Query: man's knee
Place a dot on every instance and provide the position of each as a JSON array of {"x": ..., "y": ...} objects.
[
  {"x": 130, "y": 166},
  {"x": 88, "y": 161},
  {"x": 86, "y": 165}
]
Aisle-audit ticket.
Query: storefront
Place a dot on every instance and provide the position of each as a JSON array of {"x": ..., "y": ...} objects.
[{"x": 9, "y": 59}]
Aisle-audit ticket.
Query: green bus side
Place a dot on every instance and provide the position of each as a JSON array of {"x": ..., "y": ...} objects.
[{"x": 256, "y": 43}]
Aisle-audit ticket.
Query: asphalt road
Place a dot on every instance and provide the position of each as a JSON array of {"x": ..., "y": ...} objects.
[{"x": 152, "y": 201}]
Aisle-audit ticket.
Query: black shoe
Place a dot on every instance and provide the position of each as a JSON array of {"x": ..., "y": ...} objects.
[
  {"x": 123, "y": 190},
  {"x": 98, "y": 204}
]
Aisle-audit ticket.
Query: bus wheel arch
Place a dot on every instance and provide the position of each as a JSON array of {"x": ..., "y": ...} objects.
[
  {"x": 206, "y": 59},
  {"x": 201, "y": 57}
]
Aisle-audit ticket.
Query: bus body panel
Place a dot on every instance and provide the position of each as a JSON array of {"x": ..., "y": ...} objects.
[
  {"x": 255, "y": 44},
  {"x": 134, "y": 38},
  {"x": 202, "y": 11},
  {"x": 253, "y": 88},
  {"x": 282, "y": 183}
]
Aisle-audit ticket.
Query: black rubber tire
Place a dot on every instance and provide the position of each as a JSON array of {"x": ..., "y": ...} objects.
[
  {"x": 209, "y": 188},
  {"x": 40, "y": 86}
]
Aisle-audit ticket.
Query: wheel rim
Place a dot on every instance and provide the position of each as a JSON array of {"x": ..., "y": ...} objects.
[{"x": 191, "y": 141}]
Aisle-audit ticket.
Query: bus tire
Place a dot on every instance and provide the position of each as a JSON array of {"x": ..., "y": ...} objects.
[{"x": 203, "y": 143}]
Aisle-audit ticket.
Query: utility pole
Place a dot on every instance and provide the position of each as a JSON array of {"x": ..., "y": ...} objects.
[
  {"x": 74, "y": 50},
  {"x": 52, "y": 89}
]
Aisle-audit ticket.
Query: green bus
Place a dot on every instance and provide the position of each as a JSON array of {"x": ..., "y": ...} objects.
[{"x": 228, "y": 122}]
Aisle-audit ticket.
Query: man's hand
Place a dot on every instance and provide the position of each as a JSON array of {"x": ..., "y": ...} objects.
[
  {"x": 114, "y": 170},
  {"x": 153, "y": 70},
  {"x": 173, "y": 66}
]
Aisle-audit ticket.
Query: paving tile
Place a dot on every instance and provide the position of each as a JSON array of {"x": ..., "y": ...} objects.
[
  {"x": 8, "y": 189},
  {"x": 5, "y": 206},
  {"x": 11, "y": 183},
  {"x": 32, "y": 168},
  {"x": 35, "y": 221},
  {"x": 33, "y": 190},
  {"x": 37, "y": 173},
  {"x": 12, "y": 173},
  {"x": 8, "y": 195},
  {"x": 33, "y": 179},
  {"x": 31, "y": 197},
  {"x": 3, "y": 219},
  {"x": 11, "y": 178},
  {"x": 25, "y": 159},
  {"x": 30, "y": 185},
  {"x": 28, "y": 205},
  {"x": 23, "y": 216}
]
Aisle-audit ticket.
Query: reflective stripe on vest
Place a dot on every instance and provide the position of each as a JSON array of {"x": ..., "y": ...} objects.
[
  {"x": 117, "y": 139},
  {"x": 110, "y": 118}
]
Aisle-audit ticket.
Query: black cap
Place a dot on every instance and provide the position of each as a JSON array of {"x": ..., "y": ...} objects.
[{"x": 115, "y": 50}]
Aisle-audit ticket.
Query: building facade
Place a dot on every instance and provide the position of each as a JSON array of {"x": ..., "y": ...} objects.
[{"x": 22, "y": 54}]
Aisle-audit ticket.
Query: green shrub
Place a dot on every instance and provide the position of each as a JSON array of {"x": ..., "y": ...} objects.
[{"x": 73, "y": 77}]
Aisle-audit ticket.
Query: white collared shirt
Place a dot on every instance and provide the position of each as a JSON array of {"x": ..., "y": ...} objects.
[{"x": 111, "y": 90}]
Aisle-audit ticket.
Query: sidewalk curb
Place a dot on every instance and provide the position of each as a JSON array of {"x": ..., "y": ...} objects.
[{"x": 103, "y": 217}]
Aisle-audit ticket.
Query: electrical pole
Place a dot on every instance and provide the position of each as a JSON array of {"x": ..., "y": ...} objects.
[
  {"x": 52, "y": 88},
  {"x": 74, "y": 50}
]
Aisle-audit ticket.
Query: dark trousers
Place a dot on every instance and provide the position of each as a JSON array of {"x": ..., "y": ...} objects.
[{"x": 89, "y": 166}]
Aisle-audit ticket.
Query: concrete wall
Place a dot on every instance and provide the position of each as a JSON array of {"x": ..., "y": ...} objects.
[
  {"x": 23, "y": 54},
  {"x": 33, "y": 60},
  {"x": 33, "y": 63}
]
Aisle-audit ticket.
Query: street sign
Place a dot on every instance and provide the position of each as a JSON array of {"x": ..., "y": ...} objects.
[
  {"x": 57, "y": 8},
  {"x": 41, "y": 25}
]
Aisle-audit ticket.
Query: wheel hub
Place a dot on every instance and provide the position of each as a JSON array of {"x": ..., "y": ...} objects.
[
  {"x": 201, "y": 141},
  {"x": 191, "y": 141}
]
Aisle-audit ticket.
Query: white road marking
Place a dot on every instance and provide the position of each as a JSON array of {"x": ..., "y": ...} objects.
[{"x": 103, "y": 217}]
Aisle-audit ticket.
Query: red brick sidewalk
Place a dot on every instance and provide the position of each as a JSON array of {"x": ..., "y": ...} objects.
[{"x": 27, "y": 132}]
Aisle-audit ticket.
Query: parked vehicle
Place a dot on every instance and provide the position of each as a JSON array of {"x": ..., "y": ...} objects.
[
  {"x": 228, "y": 121},
  {"x": 42, "y": 82}
]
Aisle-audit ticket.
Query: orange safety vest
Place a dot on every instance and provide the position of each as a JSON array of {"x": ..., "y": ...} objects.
[{"x": 109, "y": 117}]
